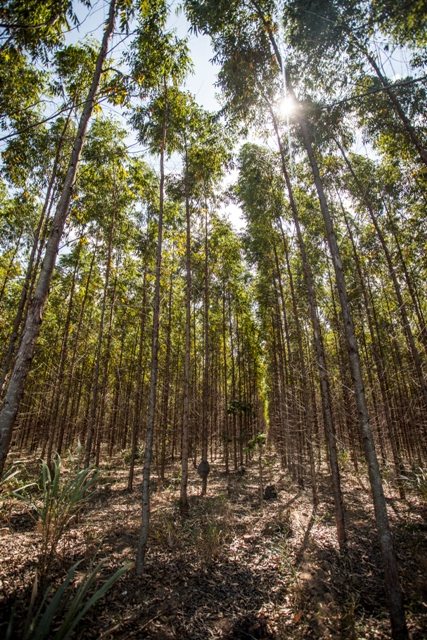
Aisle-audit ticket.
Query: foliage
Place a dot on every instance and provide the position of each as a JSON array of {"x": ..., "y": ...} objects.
[
  {"x": 66, "y": 609},
  {"x": 59, "y": 503},
  {"x": 417, "y": 482}
]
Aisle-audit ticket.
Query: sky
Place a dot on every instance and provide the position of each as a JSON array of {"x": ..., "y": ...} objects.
[{"x": 201, "y": 83}]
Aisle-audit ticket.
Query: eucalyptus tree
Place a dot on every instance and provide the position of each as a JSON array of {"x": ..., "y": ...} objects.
[
  {"x": 244, "y": 41},
  {"x": 31, "y": 330},
  {"x": 35, "y": 26},
  {"x": 261, "y": 192},
  {"x": 105, "y": 186},
  {"x": 159, "y": 62},
  {"x": 205, "y": 150},
  {"x": 37, "y": 157},
  {"x": 329, "y": 32}
]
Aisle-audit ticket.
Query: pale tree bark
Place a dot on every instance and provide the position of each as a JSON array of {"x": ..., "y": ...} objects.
[
  {"x": 402, "y": 307},
  {"x": 391, "y": 576},
  {"x": 32, "y": 262},
  {"x": 377, "y": 361},
  {"x": 392, "y": 584},
  {"x": 95, "y": 388},
  {"x": 154, "y": 365},
  {"x": 139, "y": 384},
  {"x": 166, "y": 386},
  {"x": 15, "y": 389},
  {"x": 62, "y": 361},
  {"x": 64, "y": 415},
  {"x": 100, "y": 427},
  {"x": 204, "y": 467},
  {"x": 224, "y": 347},
  {"x": 320, "y": 353},
  {"x": 9, "y": 268},
  {"x": 305, "y": 386},
  {"x": 185, "y": 419}
]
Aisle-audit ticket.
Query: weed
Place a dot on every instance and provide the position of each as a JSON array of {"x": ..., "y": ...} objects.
[
  {"x": 165, "y": 531},
  {"x": 62, "y": 605},
  {"x": 14, "y": 477},
  {"x": 417, "y": 482},
  {"x": 59, "y": 503},
  {"x": 210, "y": 539},
  {"x": 343, "y": 459},
  {"x": 127, "y": 455}
]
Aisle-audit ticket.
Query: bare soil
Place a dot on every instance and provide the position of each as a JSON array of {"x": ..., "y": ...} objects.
[{"x": 234, "y": 568}]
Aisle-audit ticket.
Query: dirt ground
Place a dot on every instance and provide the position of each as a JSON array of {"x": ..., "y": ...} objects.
[{"x": 233, "y": 568}]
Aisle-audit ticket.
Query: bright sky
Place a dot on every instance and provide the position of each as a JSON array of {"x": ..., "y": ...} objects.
[{"x": 200, "y": 83}]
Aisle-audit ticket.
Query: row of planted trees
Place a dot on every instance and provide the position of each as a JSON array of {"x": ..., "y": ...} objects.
[
  {"x": 90, "y": 376},
  {"x": 339, "y": 299},
  {"x": 166, "y": 331},
  {"x": 385, "y": 298},
  {"x": 96, "y": 333}
]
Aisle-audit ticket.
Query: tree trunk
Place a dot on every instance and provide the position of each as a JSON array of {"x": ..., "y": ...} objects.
[
  {"x": 31, "y": 330},
  {"x": 183, "y": 505},
  {"x": 205, "y": 465},
  {"x": 139, "y": 384},
  {"x": 95, "y": 390},
  {"x": 402, "y": 308},
  {"x": 320, "y": 355},
  {"x": 392, "y": 584},
  {"x": 143, "y": 538}
]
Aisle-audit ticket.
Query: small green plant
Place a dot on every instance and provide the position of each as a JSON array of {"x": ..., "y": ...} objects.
[
  {"x": 53, "y": 607},
  {"x": 15, "y": 477},
  {"x": 258, "y": 442},
  {"x": 165, "y": 530},
  {"x": 59, "y": 503},
  {"x": 209, "y": 541},
  {"x": 127, "y": 455},
  {"x": 417, "y": 482},
  {"x": 343, "y": 458},
  {"x": 8, "y": 474},
  {"x": 76, "y": 459}
]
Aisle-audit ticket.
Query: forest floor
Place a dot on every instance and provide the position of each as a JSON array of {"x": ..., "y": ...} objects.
[{"x": 232, "y": 569}]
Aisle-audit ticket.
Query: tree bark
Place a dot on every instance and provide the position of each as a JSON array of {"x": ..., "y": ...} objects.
[
  {"x": 392, "y": 584},
  {"x": 143, "y": 538},
  {"x": 320, "y": 354},
  {"x": 139, "y": 384},
  {"x": 183, "y": 505},
  {"x": 31, "y": 330}
]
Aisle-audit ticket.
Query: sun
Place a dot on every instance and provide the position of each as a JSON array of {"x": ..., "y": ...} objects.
[{"x": 287, "y": 106}]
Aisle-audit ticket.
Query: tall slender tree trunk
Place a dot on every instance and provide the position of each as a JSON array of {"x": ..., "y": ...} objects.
[
  {"x": 9, "y": 268},
  {"x": 392, "y": 584},
  {"x": 33, "y": 262},
  {"x": 31, "y": 330},
  {"x": 402, "y": 307},
  {"x": 377, "y": 361},
  {"x": 98, "y": 357},
  {"x": 62, "y": 361},
  {"x": 304, "y": 381},
  {"x": 64, "y": 415},
  {"x": 166, "y": 386},
  {"x": 205, "y": 468},
  {"x": 185, "y": 419},
  {"x": 320, "y": 353},
  {"x": 139, "y": 384},
  {"x": 100, "y": 427},
  {"x": 154, "y": 365},
  {"x": 224, "y": 347}
]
